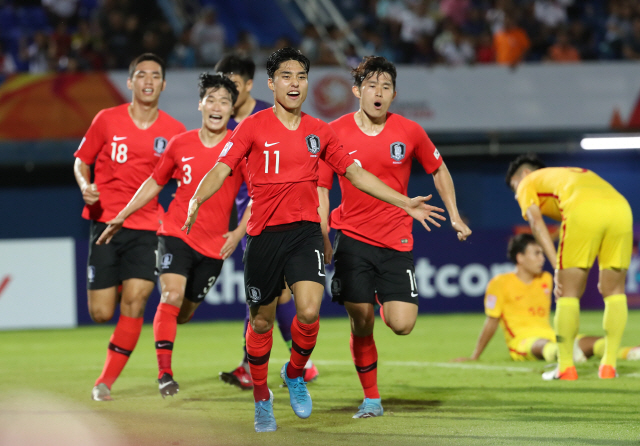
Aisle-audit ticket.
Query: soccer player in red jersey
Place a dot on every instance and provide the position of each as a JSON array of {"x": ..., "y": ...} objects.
[
  {"x": 189, "y": 266},
  {"x": 372, "y": 249},
  {"x": 241, "y": 71},
  {"x": 282, "y": 147},
  {"x": 124, "y": 143}
]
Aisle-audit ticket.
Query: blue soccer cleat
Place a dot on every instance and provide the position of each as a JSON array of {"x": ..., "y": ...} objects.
[
  {"x": 264, "y": 421},
  {"x": 370, "y": 407},
  {"x": 298, "y": 394}
]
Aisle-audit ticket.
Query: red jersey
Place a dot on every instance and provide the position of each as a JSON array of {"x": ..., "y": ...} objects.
[
  {"x": 188, "y": 160},
  {"x": 124, "y": 157},
  {"x": 388, "y": 156},
  {"x": 282, "y": 166}
]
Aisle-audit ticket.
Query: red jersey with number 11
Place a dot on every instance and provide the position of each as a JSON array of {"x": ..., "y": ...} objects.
[
  {"x": 188, "y": 160},
  {"x": 124, "y": 157},
  {"x": 282, "y": 166},
  {"x": 388, "y": 156}
]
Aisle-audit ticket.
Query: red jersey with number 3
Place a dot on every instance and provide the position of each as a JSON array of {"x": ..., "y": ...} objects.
[
  {"x": 388, "y": 156},
  {"x": 282, "y": 166},
  {"x": 124, "y": 157},
  {"x": 188, "y": 160}
]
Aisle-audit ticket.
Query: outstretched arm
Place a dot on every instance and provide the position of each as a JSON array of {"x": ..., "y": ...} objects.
[
  {"x": 541, "y": 233},
  {"x": 415, "y": 207},
  {"x": 82, "y": 172},
  {"x": 444, "y": 184},
  {"x": 488, "y": 330},
  {"x": 209, "y": 185},
  {"x": 149, "y": 189},
  {"x": 323, "y": 211}
]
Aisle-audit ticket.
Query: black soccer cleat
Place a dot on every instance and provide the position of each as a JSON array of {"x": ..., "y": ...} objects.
[{"x": 167, "y": 386}]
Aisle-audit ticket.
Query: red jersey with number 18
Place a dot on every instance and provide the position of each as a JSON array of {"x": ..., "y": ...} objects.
[
  {"x": 124, "y": 157},
  {"x": 282, "y": 166},
  {"x": 388, "y": 156},
  {"x": 188, "y": 160}
]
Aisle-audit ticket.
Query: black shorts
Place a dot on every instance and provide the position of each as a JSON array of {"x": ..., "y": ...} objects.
[
  {"x": 294, "y": 251},
  {"x": 176, "y": 257},
  {"x": 363, "y": 270},
  {"x": 131, "y": 254}
]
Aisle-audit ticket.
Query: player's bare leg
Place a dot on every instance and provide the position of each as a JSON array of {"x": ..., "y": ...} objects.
[
  {"x": 102, "y": 304},
  {"x": 365, "y": 355},
  {"x": 570, "y": 285},
  {"x": 400, "y": 316},
  {"x": 135, "y": 293},
  {"x": 304, "y": 333},
  {"x": 172, "y": 289},
  {"x": 612, "y": 286}
]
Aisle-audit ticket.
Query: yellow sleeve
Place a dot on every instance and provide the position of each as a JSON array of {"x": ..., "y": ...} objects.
[
  {"x": 494, "y": 297},
  {"x": 527, "y": 195}
]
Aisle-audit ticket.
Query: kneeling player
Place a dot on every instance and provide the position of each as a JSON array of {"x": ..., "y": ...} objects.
[
  {"x": 520, "y": 302},
  {"x": 189, "y": 266}
]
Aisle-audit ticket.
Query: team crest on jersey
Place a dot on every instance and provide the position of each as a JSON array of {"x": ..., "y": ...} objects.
[
  {"x": 398, "y": 150},
  {"x": 254, "y": 294},
  {"x": 159, "y": 144},
  {"x": 313, "y": 144},
  {"x": 166, "y": 261}
]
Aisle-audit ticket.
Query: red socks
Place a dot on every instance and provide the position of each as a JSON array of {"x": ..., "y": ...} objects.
[
  {"x": 165, "y": 325},
  {"x": 365, "y": 357},
  {"x": 258, "y": 352},
  {"x": 122, "y": 342},
  {"x": 303, "y": 337}
]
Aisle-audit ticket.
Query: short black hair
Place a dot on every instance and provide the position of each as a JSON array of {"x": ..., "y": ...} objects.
[
  {"x": 373, "y": 65},
  {"x": 518, "y": 245},
  {"x": 284, "y": 54},
  {"x": 236, "y": 64},
  {"x": 530, "y": 160},
  {"x": 144, "y": 57},
  {"x": 218, "y": 80}
]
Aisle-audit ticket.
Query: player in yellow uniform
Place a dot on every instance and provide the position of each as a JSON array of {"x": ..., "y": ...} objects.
[
  {"x": 520, "y": 303},
  {"x": 596, "y": 221}
]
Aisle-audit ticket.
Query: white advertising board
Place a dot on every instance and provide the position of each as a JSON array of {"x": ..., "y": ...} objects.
[
  {"x": 444, "y": 99},
  {"x": 37, "y": 283}
]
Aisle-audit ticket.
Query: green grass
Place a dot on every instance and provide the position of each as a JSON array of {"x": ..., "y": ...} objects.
[{"x": 46, "y": 379}]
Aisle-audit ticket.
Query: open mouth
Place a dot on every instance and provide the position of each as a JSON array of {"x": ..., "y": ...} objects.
[
  {"x": 215, "y": 118},
  {"x": 377, "y": 105},
  {"x": 294, "y": 94}
]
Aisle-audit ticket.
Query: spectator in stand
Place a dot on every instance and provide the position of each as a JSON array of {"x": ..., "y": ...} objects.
[
  {"x": 415, "y": 21},
  {"x": 7, "y": 62},
  {"x": 247, "y": 44},
  {"x": 37, "y": 54},
  {"x": 208, "y": 37},
  {"x": 60, "y": 46},
  {"x": 631, "y": 46},
  {"x": 511, "y": 44},
  {"x": 475, "y": 24},
  {"x": 183, "y": 54},
  {"x": 485, "y": 51},
  {"x": 453, "y": 47},
  {"x": 618, "y": 28},
  {"x": 495, "y": 15},
  {"x": 117, "y": 40},
  {"x": 310, "y": 43},
  {"x": 563, "y": 50},
  {"x": 455, "y": 10},
  {"x": 62, "y": 11},
  {"x": 551, "y": 13}
]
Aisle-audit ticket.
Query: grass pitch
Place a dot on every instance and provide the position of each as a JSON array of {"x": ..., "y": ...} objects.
[{"x": 46, "y": 379}]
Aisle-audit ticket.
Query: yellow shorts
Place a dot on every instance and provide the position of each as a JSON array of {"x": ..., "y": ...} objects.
[
  {"x": 520, "y": 348},
  {"x": 600, "y": 228}
]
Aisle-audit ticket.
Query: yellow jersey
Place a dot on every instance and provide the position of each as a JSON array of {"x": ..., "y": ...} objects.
[
  {"x": 558, "y": 190},
  {"x": 523, "y": 308}
]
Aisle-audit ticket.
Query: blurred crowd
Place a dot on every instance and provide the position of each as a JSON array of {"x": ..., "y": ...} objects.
[{"x": 79, "y": 35}]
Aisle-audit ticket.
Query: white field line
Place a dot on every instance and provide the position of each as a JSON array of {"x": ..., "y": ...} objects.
[{"x": 445, "y": 365}]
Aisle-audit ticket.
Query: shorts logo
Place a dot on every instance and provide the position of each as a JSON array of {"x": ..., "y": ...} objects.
[
  {"x": 254, "y": 294},
  {"x": 398, "y": 150},
  {"x": 226, "y": 149},
  {"x": 159, "y": 144},
  {"x": 313, "y": 144},
  {"x": 91, "y": 273},
  {"x": 166, "y": 261},
  {"x": 336, "y": 287}
]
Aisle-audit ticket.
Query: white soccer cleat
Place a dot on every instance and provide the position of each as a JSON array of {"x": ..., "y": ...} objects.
[{"x": 101, "y": 393}]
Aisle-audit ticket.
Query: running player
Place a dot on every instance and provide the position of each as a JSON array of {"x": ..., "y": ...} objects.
[
  {"x": 520, "y": 302},
  {"x": 189, "y": 266},
  {"x": 374, "y": 241},
  {"x": 125, "y": 143},
  {"x": 595, "y": 221},
  {"x": 282, "y": 147},
  {"x": 241, "y": 71}
]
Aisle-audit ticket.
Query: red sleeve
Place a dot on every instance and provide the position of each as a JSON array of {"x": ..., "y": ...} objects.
[
  {"x": 334, "y": 154},
  {"x": 93, "y": 140},
  {"x": 425, "y": 152},
  {"x": 238, "y": 146},
  {"x": 165, "y": 169},
  {"x": 325, "y": 175}
]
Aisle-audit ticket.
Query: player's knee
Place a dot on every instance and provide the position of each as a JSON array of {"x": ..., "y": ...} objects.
[
  {"x": 172, "y": 298},
  {"x": 100, "y": 315},
  {"x": 308, "y": 315},
  {"x": 261, "y": 326},
  {"x": 402, "y": 329}
]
